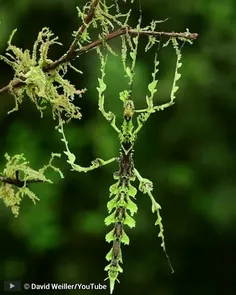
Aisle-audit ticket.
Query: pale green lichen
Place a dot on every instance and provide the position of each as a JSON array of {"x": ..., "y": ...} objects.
[
  {"x": 17, "y": 166},
  {"x": 42, "y": 87}
]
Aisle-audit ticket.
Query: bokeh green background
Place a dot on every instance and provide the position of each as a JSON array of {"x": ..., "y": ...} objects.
[{"x": 188, "y": 151}]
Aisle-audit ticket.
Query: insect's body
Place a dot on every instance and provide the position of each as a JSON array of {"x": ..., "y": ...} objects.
[
  {"x": 121, "y": 207},
  {"x": 116, "y": 248},
  {"x": 118, "y": 229},
  {"x": 123, "y": 191}
]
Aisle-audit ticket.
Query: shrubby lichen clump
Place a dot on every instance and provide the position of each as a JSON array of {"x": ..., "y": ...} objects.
[
  {"x": 42, "y": 87},
  {"x": 15, "y": 178}
]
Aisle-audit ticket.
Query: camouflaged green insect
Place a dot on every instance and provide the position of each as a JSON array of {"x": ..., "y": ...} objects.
[{"x": 121, "y": 206}]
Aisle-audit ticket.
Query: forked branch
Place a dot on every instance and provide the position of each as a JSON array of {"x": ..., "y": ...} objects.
[{"x": 72, "y": 53}]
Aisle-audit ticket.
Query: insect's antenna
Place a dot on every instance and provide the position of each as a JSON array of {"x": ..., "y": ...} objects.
[
  {"x": 169, "y": 262},
  {"x": 117, "y": 6},
  {"x": 140, "y": 8},
  {"x": 131, "y": 88}
]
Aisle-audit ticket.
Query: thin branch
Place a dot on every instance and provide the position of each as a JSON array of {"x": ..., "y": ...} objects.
[
  {"x": 14, "y": 84},
  {"x": 125, "y": 30},
  {"x": 72, "y": 53},
  {"x": 17, "y": 182}
]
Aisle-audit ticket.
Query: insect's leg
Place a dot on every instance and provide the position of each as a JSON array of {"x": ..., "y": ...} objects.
[
  {"x": 141, "y": 119},
  {"x": 71, "y": 157},
  {"x": 176, "y": 77},
  {"x": 152, "y": 87},
  {"x": 94, "y": 165},
  {"x": 146, "y": 187},
  {"x": 144, "y": 114},
  {"x": 109, "y": 116}
]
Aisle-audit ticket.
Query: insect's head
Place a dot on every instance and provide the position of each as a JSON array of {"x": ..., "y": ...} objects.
[{"x": 128, "y": 109}]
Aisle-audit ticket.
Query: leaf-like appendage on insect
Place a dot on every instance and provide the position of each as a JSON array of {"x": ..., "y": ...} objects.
[
  {"x": 124, "y": 238},
  {"x": 129, "y": 221},
  {"x": 114, "y": 188},
  {"x": 110, "y": 219},
  {"x": 132, "y": 191},
  {"x": 112, "y": 204},
  {"x": 110, "y": 236},
  {"x": 131, "y": 206}
]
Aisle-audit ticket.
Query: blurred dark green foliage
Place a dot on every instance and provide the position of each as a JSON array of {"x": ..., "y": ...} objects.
[{"x": 188, "y": 151}]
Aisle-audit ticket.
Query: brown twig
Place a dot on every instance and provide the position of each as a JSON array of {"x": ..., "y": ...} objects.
[
  {"x": 72, "y": 52},
  {"x": 17, "y": 182},
  {"x": 124, "y": 30}
]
